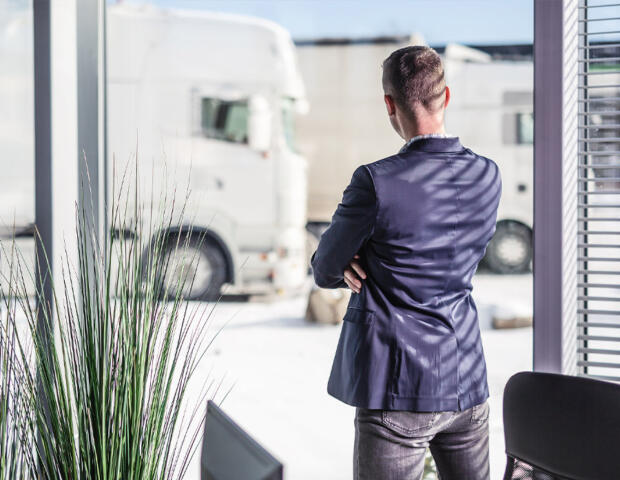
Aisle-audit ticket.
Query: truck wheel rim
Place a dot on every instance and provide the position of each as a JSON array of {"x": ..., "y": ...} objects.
[
  {"x": 512, "y": 250},
  {"x": 190, "y": 267}
]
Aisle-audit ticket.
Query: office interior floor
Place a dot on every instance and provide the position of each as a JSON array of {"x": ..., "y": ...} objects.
[{"x": 278, "y": 365}]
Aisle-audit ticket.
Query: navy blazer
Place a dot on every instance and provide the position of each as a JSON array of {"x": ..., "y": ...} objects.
[{"x": 421, "y": 221}]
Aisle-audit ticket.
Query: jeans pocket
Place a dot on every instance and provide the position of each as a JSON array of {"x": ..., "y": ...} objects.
[
  {"x": 409, "y": 423},
  {"x": 480, "y": 412}
]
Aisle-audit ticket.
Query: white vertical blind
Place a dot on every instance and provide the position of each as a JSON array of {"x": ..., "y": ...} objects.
[{"x": 599, "y": 190}]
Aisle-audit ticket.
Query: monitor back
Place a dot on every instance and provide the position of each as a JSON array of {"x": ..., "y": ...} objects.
[{"x": 229, "y": 453}]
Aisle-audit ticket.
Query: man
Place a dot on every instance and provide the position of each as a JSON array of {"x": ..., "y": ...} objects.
[{"x": 406, "y": 239}]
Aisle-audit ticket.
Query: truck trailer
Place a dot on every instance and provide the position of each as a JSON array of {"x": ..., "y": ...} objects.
[{"x": 490, "y": 110}]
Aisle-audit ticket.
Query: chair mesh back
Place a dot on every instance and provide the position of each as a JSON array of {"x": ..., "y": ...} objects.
[{"x": 524, "y": 471}]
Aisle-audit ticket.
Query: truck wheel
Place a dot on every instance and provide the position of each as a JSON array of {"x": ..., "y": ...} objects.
[
  {"x": 197, "y": 266},
  {"x": 510, "y": 249}
]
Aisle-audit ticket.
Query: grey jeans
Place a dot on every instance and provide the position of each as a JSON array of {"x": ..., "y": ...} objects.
[{"x": 391, "y": 444}]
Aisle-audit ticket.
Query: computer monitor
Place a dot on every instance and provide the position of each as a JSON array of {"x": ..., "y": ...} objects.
[{"x": 228, "y": 453}]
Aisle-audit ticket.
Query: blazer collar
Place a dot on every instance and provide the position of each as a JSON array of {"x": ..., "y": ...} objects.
[{"x": 434, "y": 144}]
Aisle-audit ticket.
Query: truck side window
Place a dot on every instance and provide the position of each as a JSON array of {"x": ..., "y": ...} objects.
[
  {"x": 525, "y": 128},
  {"x": 224, "y": 120}
]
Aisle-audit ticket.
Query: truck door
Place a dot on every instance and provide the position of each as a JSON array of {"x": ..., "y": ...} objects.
[{"x": 231, "y": 177}]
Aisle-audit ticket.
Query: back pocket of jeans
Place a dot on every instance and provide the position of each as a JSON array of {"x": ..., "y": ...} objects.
[
  {"x": 409, "y": 423},
  {"x": 480, "y": 412}
]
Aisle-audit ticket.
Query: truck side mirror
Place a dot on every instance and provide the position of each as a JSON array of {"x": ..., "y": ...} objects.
[{"x": 259, "y": 123}]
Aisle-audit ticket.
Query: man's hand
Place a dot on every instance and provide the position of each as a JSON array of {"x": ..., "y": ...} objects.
[{"x": 353, "y": 275}]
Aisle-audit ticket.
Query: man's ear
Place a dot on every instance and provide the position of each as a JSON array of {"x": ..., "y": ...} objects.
[
  {"x": 389, "y": 103},
  {"x": 445, "y": 104}
]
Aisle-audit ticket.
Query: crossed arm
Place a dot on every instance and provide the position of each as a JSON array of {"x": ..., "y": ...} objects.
[{"x": 334, "y": 263}]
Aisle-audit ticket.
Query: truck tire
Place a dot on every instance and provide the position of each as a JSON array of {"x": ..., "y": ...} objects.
[
  {"x": 198, "y": 262},
  {"x": 510, "y": 249}
]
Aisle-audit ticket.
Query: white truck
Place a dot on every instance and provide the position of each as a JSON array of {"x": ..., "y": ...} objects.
[
  {"x": 491, "y": 110},
  {"x": 211, "y": 99}
]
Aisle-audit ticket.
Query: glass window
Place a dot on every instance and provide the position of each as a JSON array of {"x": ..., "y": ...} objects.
[
  {"x": 525, "y": 128},
  {"x": 288, "y": 122},
  {"x": 225, "y": 120}
]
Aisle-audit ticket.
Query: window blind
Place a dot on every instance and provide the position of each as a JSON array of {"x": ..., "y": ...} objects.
[{"x": 598, "y": 190}]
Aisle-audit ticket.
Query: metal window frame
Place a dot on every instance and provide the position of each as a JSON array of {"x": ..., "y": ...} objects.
[
  {"x": 91, "y": 101},
  {"x": 86, "y": 85},
  {"x": 68, "y": 56},
  {"x": 42, "y": 149},
  {"x": 556, "y": 30}
]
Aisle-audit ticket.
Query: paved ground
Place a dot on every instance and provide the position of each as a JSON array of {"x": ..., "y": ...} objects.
[{"x": 279, "y": 366}]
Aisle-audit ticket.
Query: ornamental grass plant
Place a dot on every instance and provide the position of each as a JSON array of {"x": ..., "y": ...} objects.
[
  {"x": 94, "y": 383},
  {"x": 16, "y": 452}
]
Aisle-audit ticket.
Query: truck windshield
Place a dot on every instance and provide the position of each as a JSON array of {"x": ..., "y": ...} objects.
[{"x": 288, "y": 122}]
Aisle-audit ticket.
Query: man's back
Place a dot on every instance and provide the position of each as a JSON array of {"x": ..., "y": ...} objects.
[
  {"x": 437, "y": 206},
  {"x": 406, "y": 239},
  {"x": 420, "y": 222}
]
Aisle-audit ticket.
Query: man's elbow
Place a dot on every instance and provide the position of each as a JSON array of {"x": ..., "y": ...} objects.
[
  {"x": 322, "y": 279},
  {"x": 319, "y": 279},
  {"x": 327, "y": 282}
]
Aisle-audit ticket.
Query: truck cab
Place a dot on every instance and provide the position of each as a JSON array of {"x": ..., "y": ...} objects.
[{"x": 207, "y": 102}]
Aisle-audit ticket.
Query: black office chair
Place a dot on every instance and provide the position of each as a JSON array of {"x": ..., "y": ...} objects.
[{"x": 561, "y": 427}]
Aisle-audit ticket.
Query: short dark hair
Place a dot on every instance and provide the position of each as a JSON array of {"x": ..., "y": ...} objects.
[{"x": 414, "y": 75}]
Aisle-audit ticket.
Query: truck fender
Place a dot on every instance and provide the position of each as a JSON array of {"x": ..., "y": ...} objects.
[{"x": 210, "y": 235}]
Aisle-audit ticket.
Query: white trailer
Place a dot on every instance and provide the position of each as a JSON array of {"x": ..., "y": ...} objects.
[
  {"x": 490, "y": 110},
  {"x": 204, "y": 100}
]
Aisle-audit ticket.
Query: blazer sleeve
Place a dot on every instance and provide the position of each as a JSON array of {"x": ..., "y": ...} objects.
[{"x": 351, "y": 226}]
